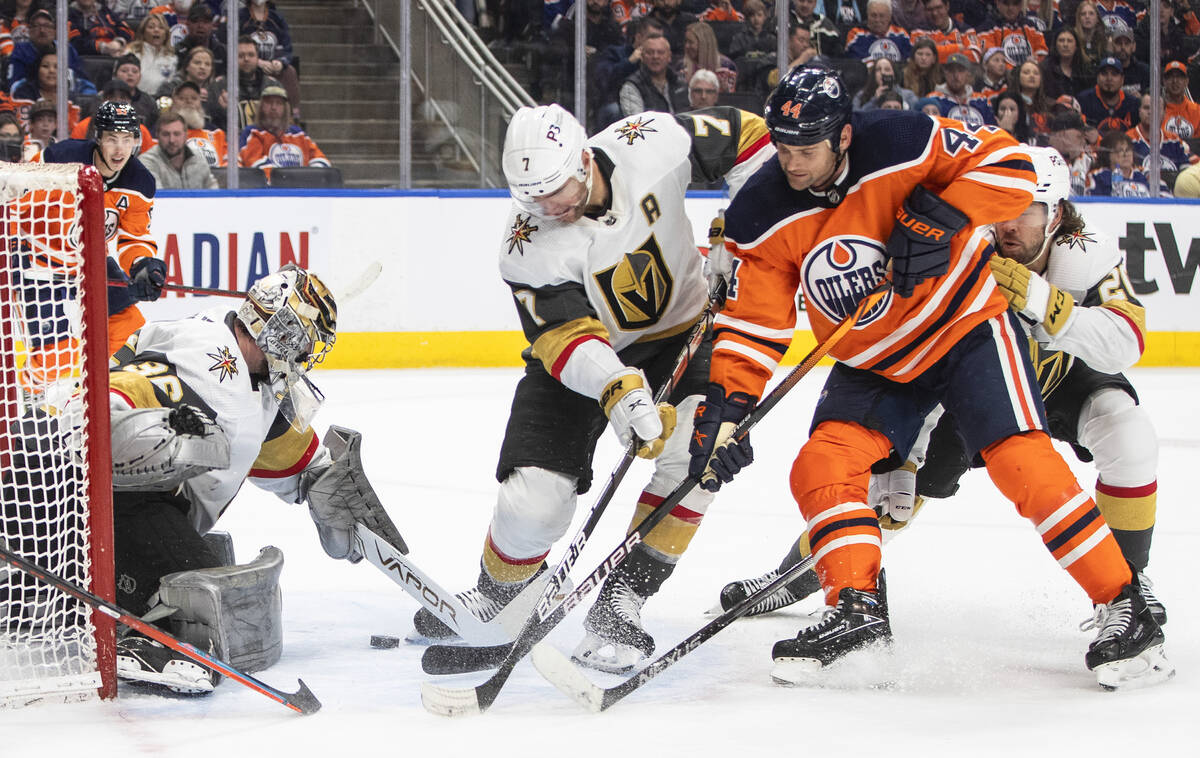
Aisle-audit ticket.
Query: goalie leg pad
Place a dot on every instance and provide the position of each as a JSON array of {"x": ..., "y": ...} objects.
[
  {"x": 339, "y": 496},
  {"x": 238, "y": 609}
]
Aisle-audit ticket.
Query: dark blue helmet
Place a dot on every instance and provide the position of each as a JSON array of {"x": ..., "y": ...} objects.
[
  {"x": 113, "y": 116},
  {"x": 810, "y": 104}
]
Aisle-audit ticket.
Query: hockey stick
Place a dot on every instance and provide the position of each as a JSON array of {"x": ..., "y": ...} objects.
[
  {"x": 557, "y": 669},
  {"x": 302, "y": 701},
  {"x": 444, "y": 604},
  {"x": 549, "y": 602},
  {"x": 450, "y": 701},
  {"x": 353, "y": 290}
]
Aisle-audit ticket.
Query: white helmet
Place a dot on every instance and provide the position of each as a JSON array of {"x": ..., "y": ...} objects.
[
  {"x": 1053, "y": 177},
  {"x": 543, "y": 148}
]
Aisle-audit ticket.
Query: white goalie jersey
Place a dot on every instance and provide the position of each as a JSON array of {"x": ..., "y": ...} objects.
[
  {"x": 196, "y": 361},
  {"x": 633, "y": 273}
]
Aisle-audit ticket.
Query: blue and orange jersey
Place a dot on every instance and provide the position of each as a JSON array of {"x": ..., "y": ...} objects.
[
  {"x": 784, "y": 240},
  {"x": 128, "y": 200},
  {"x": 864, "y": 44}
]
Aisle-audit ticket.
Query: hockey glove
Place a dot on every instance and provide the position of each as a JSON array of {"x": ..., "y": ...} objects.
[
  {"x": 893, "y": 494},
  {"x": 716, "y": 456},
  {"x": 1035, "y": 299},
  {"x": 120, "y": 289},
  {"x": 149, "y": 275},
  {"x": 631, "y": 412},
  {"x": 718, "y": 266},
  {"x": 920, "y": 243}
]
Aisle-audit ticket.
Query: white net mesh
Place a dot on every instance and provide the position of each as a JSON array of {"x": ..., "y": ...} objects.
[{"x": 47, "y": 641}]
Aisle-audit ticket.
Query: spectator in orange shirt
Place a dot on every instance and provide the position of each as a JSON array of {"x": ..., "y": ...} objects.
[
  {"x": 201, "y": 137},
  {"x": 721, "y": 10},
  {"x": 1181, "y": 114},
  {"x": 274, "y": 141},
  {"x": 14, "y": 23}
]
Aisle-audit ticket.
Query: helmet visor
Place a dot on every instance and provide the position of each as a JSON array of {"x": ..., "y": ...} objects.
[{"x": 299, "y": 399}]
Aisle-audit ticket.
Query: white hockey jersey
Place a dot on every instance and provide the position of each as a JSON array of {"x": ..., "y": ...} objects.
[
  {"x": 633, "y": 274},
  {"x": 196, "y": 361},
  {"x": 1107, "y": 327}
]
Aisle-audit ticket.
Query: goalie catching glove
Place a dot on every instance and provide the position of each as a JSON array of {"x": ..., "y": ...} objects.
[
  {"x": 631, "y": 412},
  {"x": 1036, "y": 299},
  {"x": 158, "y": 449},
  {"x": 920, "y": 242},
  {"x": 716, "y": 456}
]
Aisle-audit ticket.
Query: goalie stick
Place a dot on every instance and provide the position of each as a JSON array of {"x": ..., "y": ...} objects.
[
  {"x": 452, "y": 701},
  {"x": 302, "y": 701},
  {"x": 570, "y": 679}
]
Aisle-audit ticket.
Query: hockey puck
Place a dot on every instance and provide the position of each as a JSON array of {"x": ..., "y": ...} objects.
[{"x": 384, "y": 642}]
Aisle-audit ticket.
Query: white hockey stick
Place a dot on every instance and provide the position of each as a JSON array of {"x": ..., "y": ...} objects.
[
  {"x": 360, "y": 284},
  {"x": 444, "y": 604}
]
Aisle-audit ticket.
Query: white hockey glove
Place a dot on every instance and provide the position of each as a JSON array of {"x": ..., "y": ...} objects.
[
  {"x": 631, "y": 412},
  {"x": 1034, "y": 298},
  {"x": 718, "y": 266},
  {"x": 894, "y": 493}
]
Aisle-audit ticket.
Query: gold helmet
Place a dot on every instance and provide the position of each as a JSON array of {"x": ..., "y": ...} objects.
[{"x": 293, "y": 319}]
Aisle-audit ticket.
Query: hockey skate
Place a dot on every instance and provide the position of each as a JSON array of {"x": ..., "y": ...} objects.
[
  {"x": 1128, "y": 650},
  {"x": 141, "y": 659},
  {"x": 858, "y": 621},
  {"x": 615, "y": 641},
  {"x": 485, "y": 600},
  {"x": 1157, "y": 609},
  {"x": 790, "y": 594}
]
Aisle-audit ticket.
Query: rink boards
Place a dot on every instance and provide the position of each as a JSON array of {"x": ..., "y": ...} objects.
[{"x": 439, "y": 300}]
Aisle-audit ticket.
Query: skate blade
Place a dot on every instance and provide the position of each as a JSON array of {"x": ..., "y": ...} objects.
[
  {"x": 610, "y": 657},
  {"x": 870, "y": 667},
  {"x": 178, "y": 682},
  {"x": 1148, "y": 668}
]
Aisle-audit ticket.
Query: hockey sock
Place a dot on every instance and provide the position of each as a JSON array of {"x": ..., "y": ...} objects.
[
  {"x": 1130, "y": 513},
  {"x": 508, "y": 570},
  {"x": 1028, "y": 471}
]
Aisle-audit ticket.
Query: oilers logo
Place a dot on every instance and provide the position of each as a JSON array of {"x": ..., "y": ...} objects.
[
  {"x": 111, "y": 221},
  {"x": 285, "y": 154},
  {"x": 967, "y": 114},
  {"x": 885, "y": 48},
  {"x": 1180, "y": 126},
  {"x": 840, "y": 272},
  {"x": 1016, "y": 48}
]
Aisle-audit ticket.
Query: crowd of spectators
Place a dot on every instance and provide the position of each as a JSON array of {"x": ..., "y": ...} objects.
[
  {"x": 1068, "y": 73},
  {"x": 167, "y": 58}
]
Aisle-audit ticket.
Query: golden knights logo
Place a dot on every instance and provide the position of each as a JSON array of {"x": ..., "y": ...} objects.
[
  {"x": 635, "y": 129},
  {"x": 840, "y": 272},
  {"x": 638, "y": 288},
  {"x": 1051, "y": 366},
  {"x": 520, "y": 233},
  {"x": 1078, "y": 239},
  {"x": 226, "y": 364}
]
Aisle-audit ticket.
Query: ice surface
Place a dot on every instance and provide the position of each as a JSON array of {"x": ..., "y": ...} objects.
[{"x": 988, "y": 658}]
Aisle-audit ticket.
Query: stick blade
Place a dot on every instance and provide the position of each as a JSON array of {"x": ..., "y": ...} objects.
[
  {"x": 557, "y": 669},
  {"x": 304, "y": 700},
  {"x": 451, "y": 702},
  {"x": 362, "y": 282}
]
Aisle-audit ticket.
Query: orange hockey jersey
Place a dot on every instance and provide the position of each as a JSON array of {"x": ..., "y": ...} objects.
[
  {"x": 211, "y": 144},
  {"x": 292, "y": 148},
  {"x": 783, "y": 240}
]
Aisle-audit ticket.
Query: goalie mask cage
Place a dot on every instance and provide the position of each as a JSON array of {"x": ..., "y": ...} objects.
[{"x": 55, "y": 469}]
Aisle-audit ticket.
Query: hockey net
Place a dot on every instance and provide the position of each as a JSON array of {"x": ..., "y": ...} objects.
[{"x": 55, "y": 481}]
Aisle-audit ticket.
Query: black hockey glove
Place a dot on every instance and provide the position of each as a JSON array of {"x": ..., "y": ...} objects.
[
  {"x": 149, "y": 275},
  {"x": 716, "y": 457},
  {"x": 120, "y": 289},
  {"x": 920, "y": 243}
]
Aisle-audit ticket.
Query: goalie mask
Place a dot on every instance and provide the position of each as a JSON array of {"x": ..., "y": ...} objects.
[{"x": 293, "y": 320}]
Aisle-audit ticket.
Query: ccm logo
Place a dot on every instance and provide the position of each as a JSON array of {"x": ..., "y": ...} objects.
[{"x": 919, "y": 227}]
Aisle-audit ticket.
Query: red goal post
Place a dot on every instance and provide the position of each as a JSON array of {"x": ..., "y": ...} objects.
[{"x": 55, "y": 462}]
